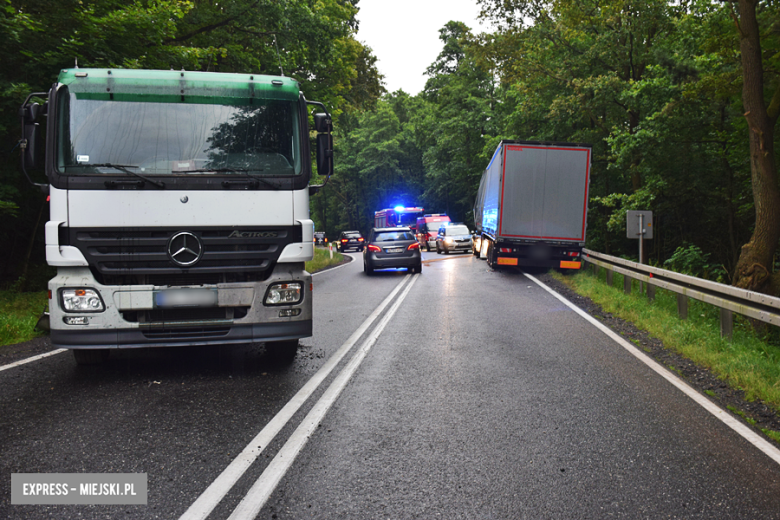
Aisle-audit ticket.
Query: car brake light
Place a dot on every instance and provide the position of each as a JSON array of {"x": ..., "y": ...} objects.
[
  {"x": 360, "y": 239},
  {"x": 413, "y": 246},
  {"x": 372, "y": 247},
  {"x": 344, "y": 240}
]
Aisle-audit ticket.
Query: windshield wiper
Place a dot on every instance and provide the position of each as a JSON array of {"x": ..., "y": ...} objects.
[
  {"x": 124, "y": 168},
  {"x": 226, "y": 183}
]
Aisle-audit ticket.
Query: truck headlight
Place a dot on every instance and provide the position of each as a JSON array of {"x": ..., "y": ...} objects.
[
  {"x": 81, "y": 300},
  {"x": 289, "y": 293}
]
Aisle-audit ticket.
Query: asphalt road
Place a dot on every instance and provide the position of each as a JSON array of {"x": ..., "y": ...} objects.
[{"x": 473, "y": 394}]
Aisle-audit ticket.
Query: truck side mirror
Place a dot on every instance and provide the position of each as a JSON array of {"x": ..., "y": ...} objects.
[
  {"x": 325, "y": 154},
  {"x": 30, "y": 134},
  {"x": 323, "y": 123}
]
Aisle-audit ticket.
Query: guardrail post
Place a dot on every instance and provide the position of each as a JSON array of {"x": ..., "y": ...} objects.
[
  {"x": 650, "y": 292},
  {"x": 682, "y": 306},
  {"x": 627, "y": 284},
  {"x": 609, "y": 277},
  {"x": 726, "y": 323}
]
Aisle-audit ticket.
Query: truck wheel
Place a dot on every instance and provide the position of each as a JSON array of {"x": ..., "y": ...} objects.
[
  {"x": 282, "y": 351},
  {"x": 490, "y": 260},
  {"x": 90, "y": 356}
]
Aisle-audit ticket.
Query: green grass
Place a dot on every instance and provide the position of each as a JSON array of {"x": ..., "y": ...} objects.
[
  {"x": 19, "y": 312},
  {"x": 322, "y": 260},
  {"x": 747, "y": 363}
]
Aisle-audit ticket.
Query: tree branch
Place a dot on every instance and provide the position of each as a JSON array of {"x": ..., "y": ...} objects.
[{"x": 211, "y": 27}]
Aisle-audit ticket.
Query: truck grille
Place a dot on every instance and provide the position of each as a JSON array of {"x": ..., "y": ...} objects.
[{"x": 139, "y": 256}]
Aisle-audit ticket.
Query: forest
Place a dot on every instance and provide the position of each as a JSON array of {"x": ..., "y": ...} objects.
[{"x": 680, "y": 101}]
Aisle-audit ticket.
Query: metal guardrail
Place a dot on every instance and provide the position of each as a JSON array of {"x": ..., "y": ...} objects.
[{"x": 730, "y": 300}]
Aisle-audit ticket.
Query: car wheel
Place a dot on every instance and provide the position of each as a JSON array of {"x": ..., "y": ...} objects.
[
  {"x": 368, "y": 270},
  {"x": 90, "y": 356},
  {"x": 427, "y": 246},
  {"x": 282, "y": 351},
  {"x": 417, "y": 269},
  {"x": 445, "y": 250},
  {"x": 438, "y": 249}
]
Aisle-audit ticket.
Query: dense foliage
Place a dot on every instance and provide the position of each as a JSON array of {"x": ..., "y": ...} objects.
[{"x": 659, "y": 88}]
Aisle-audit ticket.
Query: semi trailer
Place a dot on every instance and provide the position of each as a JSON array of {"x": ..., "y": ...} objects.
[{"x": 531, "y": 208}]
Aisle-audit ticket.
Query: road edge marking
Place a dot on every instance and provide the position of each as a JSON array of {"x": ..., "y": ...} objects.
[
  {"x": 749, "y": 435},
  {"x": 31, "y": 359},
  {"x": 264, "y": 486},
  {"x": 216, "y": 491}
]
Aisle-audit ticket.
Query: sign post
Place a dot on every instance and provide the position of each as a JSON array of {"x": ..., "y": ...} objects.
[{"x": 639, "y": 224}]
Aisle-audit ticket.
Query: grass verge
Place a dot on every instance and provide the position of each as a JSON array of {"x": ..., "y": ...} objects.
[
  {"x": 323, "y": 260},
  {"x": 746, "y": 363},
  {"x": 19, "y": 312}
]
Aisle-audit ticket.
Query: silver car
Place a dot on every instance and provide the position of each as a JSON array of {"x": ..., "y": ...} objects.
[{"x": 455, "y": 237}]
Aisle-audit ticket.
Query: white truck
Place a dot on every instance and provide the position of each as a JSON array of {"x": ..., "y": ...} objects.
[
  {"x": 179, "y": 208},
  {"x": 532, "y": 205}
]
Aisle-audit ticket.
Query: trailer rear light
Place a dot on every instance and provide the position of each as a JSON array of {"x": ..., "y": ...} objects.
[
  {"x": 413, "y": 246},
  {"x": 573, "y": 253},
  {"x": 505, "y": 250},
  {"x": 506, "y": 261},
  {"x": 375, "y": 249}
]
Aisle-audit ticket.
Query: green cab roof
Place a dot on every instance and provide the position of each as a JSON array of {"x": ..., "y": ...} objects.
[{"x": 168, "y": 86}]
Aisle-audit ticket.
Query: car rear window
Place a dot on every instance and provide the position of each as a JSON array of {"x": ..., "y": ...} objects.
[{"x": 390, "y": 236}]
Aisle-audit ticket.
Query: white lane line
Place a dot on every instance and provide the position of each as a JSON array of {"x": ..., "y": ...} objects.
[
  {"x": 752, "y": 437},
  {"x": 31, "y": 359},
  {"x": 258, "y": 495},
  {"x": 217, "y": 490}
]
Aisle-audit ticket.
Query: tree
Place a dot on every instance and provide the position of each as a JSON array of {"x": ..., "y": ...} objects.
[{"x": 754, "y": 269}]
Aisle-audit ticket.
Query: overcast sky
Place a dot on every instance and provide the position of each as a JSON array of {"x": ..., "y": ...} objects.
[{"x": 404, "y": 35}]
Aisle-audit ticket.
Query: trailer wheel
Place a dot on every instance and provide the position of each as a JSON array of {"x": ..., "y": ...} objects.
[
  {"x": 491, "y": 261},
  {"x": 90, "y": 356},
  {"x": 282, "y": 351}
]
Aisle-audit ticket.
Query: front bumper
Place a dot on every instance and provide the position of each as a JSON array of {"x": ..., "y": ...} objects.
[{"x": 132, "y": 319}]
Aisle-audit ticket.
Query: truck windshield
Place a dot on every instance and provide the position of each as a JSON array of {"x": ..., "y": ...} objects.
[{"x": 177, "y": 138}]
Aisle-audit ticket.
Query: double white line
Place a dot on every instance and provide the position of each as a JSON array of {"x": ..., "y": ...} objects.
[{"x": 257, "y": 496}]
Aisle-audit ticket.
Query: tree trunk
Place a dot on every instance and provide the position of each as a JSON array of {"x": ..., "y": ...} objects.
[{"x": 754, "y": 268}]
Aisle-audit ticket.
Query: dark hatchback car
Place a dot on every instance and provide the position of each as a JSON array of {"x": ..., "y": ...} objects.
[
  {"x": 351, "y": 240},
  {"x": 392, "y": 247}
]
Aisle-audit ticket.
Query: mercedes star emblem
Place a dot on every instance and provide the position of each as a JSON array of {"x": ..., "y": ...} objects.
[{"x": 185, "y": 249}]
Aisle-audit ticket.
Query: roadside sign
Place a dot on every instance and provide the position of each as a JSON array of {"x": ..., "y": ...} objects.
[{"x": 633, "y": 220}]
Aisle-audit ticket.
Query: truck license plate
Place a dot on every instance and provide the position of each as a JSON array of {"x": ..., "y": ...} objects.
[{"x": 186, "y": 298}]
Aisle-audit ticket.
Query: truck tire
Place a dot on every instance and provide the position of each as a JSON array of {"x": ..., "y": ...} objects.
[
  {"x": 474, "y": 251},
  {"x": 282, "y": 351},
  {"x": 90, "y": 356},
  {"x": 491, "y": 261}
]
